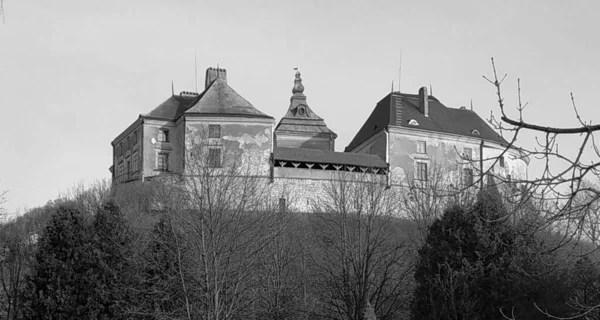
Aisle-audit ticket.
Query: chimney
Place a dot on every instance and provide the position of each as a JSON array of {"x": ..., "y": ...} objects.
[
  {"x": 424, "y": 101},
  {"x": 212, "y": 74}
]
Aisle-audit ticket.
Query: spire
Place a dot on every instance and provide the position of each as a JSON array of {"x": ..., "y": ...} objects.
[{"x": 298, "y": 87}]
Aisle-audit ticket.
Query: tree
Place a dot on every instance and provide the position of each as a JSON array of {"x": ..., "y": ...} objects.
[
  {"x": 112, "y": 239},
  {"x": 474, "y": 264},
  {"x": 359, "y": 255},
  {"x": 63, "y": 282}
]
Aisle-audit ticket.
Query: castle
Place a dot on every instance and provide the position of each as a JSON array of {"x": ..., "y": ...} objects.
[{"x": 403, "y": 138}]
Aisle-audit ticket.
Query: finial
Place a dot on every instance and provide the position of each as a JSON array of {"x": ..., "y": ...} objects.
[{"x": 298, "y": 87}]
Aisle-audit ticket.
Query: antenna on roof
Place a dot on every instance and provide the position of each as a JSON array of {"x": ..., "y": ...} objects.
[
  {"x": 400, "y": 71},
  {"x": 172, "y": 88},
  {"x": 195, "y": 72},
  {"x": 392, "y": 86}
]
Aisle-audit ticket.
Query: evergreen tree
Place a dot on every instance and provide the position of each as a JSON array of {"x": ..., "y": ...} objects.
[
  {"x": 471, "y": 264},
  {"x": 63, "y": 282},
  {"x": 112, "y": 240}
]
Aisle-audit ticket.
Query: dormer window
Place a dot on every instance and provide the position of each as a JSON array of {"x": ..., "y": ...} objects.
[
  {"x": 475, "y": 132},
  {"x": 163, "y": 135},
  {"x": 413, "y": 122}
]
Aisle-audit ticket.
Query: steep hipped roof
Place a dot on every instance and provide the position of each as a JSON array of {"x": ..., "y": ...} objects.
[
  {"x": 329, "y": 157},
  {"x": 398, "y": 109},
  {"x": 300, "y": 118},
  {"x": 219, "y": 99}
]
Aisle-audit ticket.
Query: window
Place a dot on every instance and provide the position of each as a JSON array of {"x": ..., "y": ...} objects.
[
  {"x": 413, "y": 122},
  {"x": 163, "y": 135},
  {"x": 468, "y": 153},
  {"x": 421, "y": 147},
  {"x": 135, "y": 163},
  {"x": 163, "y": 162},
  {"x": 135, "y": 137},
  {"x": 120, "y": 149},
  {"x": 127, "y": 169},
  {"x": 467, "y": 176},
  {"x": 421, "y": 171},
  {"x": 282, "y": 204},
  {"x": 501, "y": 160},
  {"x": 214, "y": 157},
  {"x": 475, "y": 132},
  {"x": 214, "y": 130},
  {"x": 127, "y": 144}
]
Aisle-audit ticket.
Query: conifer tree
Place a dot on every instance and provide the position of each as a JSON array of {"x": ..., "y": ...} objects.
[
  {"x": 63, "y": 282},
  {"x": 471, "y": 264}
]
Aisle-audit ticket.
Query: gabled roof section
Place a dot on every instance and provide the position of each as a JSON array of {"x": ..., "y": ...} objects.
[
  {"x": 219, "y": 99},
  {"x": 328, "y": 157},
  {"x": 300, "y": 117},
  {"x": 398, "y": 109}
]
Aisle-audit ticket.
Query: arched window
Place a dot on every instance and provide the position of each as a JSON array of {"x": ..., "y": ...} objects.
[
  {"x": 413, "y": 122},
  {"x": 475, "y": 132}
]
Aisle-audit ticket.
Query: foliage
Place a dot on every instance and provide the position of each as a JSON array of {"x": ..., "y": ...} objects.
[{"x": 475, "y": 264}]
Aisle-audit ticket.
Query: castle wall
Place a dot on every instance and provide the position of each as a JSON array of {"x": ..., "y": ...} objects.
[
  {"x": 377, "y": 144},
  {"x": 302, "y": 189},
  {"x": 152, "y": 147},
  {"x": 246, "y": 142},
  {"x": 446, "y": 153}
]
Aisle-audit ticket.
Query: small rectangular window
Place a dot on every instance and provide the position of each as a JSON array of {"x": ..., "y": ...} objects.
[
  {"x": 421, "y": 147},
  {"x": 214, "y": 131},
  {"x": 467, "y": 177},
  {"x": 214, "y": 157},
  {"x": 120, "y": 149},
  {"x": 163, "y": 162},
  {"x": 468, "y": 153},
  {"x": 421, "y": 171},
  {"x": 135, "y": 137},
  {"x": 501, "y": 160},
  {"x": 282, "y": 204},
  {"x": 163, "y": 135}
]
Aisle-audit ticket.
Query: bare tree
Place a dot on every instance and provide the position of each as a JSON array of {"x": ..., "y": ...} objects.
[
  {"x": 359, "y": 254},
  {"x": 222, "y": 215},
  {"x": 568, "y": 203}
]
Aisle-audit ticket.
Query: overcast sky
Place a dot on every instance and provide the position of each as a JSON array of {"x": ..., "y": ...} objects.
[{"x": 74, "y": 74}]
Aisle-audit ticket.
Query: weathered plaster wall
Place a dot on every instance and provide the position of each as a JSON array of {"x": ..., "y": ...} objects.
[
  {"x": 304, "y": 141},
  {"x": 246, "y": 141},
  {"x": 444, "y": 153}
]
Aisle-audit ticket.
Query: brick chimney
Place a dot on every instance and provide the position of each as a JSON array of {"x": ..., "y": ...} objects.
[
  {"x": 424, "y": 101},
  {"x": 212, "y": 74}
]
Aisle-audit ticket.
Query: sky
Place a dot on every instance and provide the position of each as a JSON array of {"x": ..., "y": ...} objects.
[{"x": 74, "y": 74}]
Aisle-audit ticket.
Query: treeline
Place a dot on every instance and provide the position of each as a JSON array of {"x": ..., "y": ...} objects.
[{"x": 222, "y": 248}]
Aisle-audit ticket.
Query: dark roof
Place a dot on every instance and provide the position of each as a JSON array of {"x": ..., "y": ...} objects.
[
  {"x": 330, "y": 157},
  {"x": 397, "y": 109},
  {"x": 218, "y": 99},
  {"x": 173, "y": 107}
]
